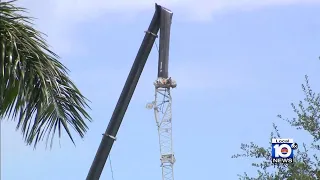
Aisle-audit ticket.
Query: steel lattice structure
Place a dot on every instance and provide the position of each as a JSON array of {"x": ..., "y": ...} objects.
[{"x": 163, "y": 117}]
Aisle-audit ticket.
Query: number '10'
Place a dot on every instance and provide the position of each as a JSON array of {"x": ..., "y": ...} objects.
[{"x": 277, "y": 150}]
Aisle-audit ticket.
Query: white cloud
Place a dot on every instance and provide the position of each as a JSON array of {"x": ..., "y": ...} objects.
[
  {"x": 58, "y": 18},
  {"x": 80, "y": 10}
]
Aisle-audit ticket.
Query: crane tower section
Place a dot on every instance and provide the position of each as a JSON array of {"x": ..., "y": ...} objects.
[
  {"x": 163, "y": 100},
  {"x": 163, "y": 116}
]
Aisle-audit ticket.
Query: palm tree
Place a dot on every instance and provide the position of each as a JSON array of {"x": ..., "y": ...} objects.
[{"x": 35, "y": 90}]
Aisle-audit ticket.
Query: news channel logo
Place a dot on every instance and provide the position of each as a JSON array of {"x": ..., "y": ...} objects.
[{"x": 282, "y": 150}]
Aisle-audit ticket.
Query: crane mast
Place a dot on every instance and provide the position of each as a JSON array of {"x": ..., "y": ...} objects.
[
  {"x": 163, "y": 116},
  {"x": 161, "y": 21},
  {"x": 163, "y": 100}
]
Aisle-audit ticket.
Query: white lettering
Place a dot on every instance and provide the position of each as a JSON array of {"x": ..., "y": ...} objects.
[{"x": 282, "y": 160}]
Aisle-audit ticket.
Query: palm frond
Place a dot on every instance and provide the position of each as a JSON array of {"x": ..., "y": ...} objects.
[{"x": 35, "y": 89}]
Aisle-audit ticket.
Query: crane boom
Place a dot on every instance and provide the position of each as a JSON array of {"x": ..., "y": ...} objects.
[
  {"x": 164, "y": 42},
  {"x": 110, "y": 134}
]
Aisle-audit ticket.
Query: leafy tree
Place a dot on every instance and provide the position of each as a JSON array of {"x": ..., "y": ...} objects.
[
  {"x": 35, "y": 90},
  {"x": 307, "y": 164}
]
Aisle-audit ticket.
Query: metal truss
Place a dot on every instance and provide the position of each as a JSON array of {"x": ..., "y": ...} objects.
[{"x": 163, "y": 116}]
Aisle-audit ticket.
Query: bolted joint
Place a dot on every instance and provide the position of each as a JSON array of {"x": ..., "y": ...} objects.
[
  {"x": 112, "y": 137},
  {"x": 153, "y": 34}
]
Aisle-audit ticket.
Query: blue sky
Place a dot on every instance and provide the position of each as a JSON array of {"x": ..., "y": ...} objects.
[{"x": 237, "y": 64}]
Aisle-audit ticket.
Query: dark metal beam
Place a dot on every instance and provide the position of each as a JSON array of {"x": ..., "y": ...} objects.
[
  {"x": 165, "y": 27},
  {"x": 125, "y": 97}
]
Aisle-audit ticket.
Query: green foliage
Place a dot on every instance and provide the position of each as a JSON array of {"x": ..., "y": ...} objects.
[
  {"x": 306, "y": 166},
  {"x": 35, "y": 90}
]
